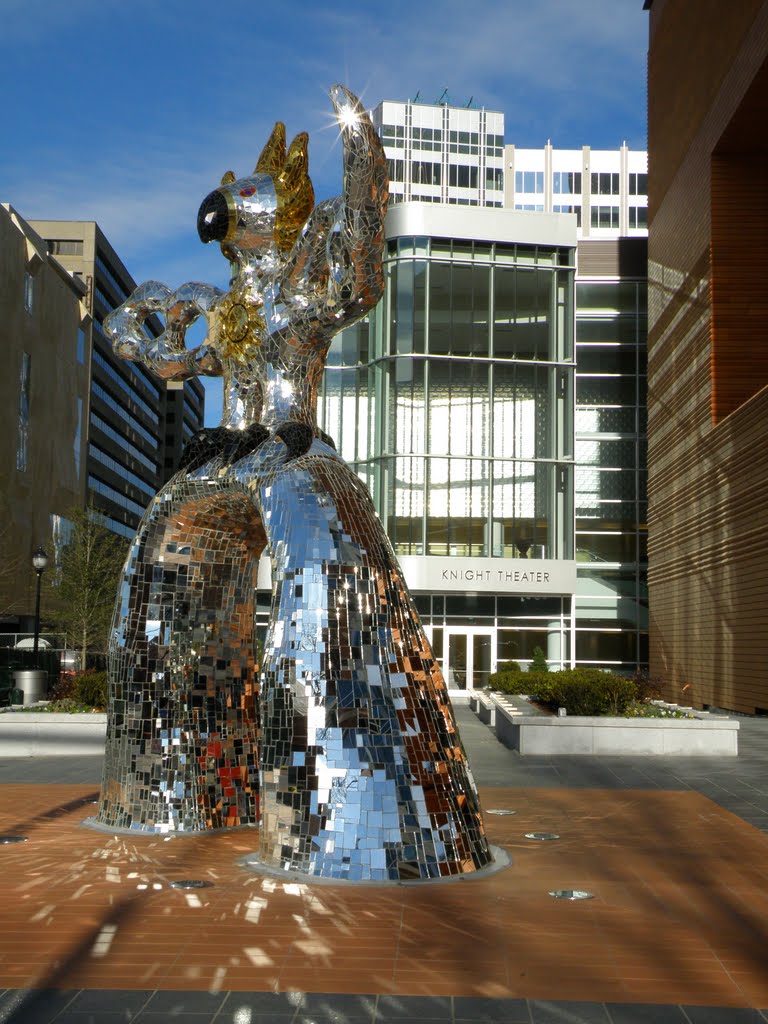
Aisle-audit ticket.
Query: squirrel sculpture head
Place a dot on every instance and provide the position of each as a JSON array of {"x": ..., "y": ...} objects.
[{"x": 270, "y": 206}]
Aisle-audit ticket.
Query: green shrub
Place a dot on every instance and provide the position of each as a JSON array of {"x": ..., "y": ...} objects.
[
  {"x": 515, "y": 680},
  {"x": 583, "y": 691},
  {"x": 539, "y": 661},
  {"x": 506, "y": 680},
  {"x": 90, "y": 689},
  {"x": 508, "y": 666}
]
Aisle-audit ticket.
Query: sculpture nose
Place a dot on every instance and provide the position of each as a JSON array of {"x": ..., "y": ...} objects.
[{"x": 213, "y": 218}]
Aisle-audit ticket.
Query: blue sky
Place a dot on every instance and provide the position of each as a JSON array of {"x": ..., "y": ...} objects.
[{"x": 127, "y": 112}]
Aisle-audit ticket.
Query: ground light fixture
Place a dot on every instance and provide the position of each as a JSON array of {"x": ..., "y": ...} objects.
[
  {"x": 571, "y": 894},
  {"x": 7, "y": 840},
  {"x": 542, "y": 835},
  {"x": 500, "y": 810},
  {"x": 190, "y": 883},
  {"x": 39, "y": 563}
]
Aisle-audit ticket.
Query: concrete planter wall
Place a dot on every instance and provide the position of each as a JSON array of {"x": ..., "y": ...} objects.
[
  {"x": 684, "y": 737},
  {"x": 30, "y": 734}
]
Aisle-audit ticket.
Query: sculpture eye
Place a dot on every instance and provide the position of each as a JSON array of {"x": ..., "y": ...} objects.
[{"x": 248, "y": 191}]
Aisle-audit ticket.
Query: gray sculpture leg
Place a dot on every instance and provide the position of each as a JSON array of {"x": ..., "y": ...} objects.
[
  {"x": 182, "y": 733},
  {"x": 364, "y": 775}
]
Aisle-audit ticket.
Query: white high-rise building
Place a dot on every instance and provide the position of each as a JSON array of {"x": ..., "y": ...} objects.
[
  {"x": 439, "y": 153},
  {"x": 494, "y": 401},
  {"x": 442, "y": 154},
  {"x": 606, "y": 189}
]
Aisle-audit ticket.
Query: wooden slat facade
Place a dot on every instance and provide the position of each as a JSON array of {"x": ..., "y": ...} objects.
[{"x": 708, "y": 353}]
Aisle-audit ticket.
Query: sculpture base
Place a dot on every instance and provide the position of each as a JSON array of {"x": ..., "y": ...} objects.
[
  {"x": 501, "y": 860},
  {"x": 162, "y": 831}
]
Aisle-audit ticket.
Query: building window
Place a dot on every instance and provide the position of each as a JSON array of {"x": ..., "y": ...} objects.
[
  {"x": 61, "y": 535},
  {"x": 566, "y": 183},
  {"x": 569, "y": 209},
  {"x": 605, "y": 184},
  {"x": 529, "y": 181},
  {"x": 638, "y": 184},
  {"x": 395, "y": 168},
  {"x": 464, "y": 142},
  {"x": 427, "y": 138},
  {"x": 605, "y": 217},
  {"x": 28, "y": 291},
  {"x": 638, "y": 217},
  {"x": 80, "y": 352},
  {"x": 393, "y": 135},
  {"x": 494, "y": 145},
  {"x": 494, "y": 177},
  {"x": 23, "y": 436},
  {"x": 462, "y": 176},
  {"x": 65, "y": 246},
  {"x": 425, "y": 173}
]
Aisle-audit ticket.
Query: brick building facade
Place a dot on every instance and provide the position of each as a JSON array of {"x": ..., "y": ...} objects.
[{"x": 707, "y": 351}]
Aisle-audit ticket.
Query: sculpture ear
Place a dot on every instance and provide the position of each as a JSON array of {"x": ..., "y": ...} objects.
[
  {"x": 228, "y": 177},
  {"x": 273, "y": 155},
  {"x": 296, "y": 163}
]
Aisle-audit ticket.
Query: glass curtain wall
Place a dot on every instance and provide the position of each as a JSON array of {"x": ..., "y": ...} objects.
[
  {"x": 610, "y": 487},
  {"x": 453, "y": 402}
]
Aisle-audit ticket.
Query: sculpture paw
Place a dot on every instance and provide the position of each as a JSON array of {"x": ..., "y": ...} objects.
[
  {"x": 221, "y": 442},
  {"x": 298, "y": 437}
]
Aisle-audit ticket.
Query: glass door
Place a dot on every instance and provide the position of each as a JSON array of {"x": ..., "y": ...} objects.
[{"x": 469, "y": 657}]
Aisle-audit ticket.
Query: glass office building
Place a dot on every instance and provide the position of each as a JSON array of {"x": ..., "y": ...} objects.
[
  {"x": 611, "y": 602},
  {"x": 445, "y": 405},
  {"x": 454, "y": 402}
]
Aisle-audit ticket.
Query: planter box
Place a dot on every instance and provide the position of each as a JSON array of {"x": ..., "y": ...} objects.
[
  {"x": 683, "y": 737},
  {"x": 31, "y": 734}
]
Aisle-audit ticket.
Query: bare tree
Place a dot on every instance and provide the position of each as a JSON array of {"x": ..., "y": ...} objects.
[{"x": 85, "y": 583}]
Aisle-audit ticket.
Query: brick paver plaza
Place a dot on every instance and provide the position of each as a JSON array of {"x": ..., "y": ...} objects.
[{"x": 674, "y": 851}]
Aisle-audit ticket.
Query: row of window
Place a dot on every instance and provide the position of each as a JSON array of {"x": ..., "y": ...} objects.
[
  {"x": 106, "y": 460},
  {"x": 99, "y": 359},
  {"x": 121, "y": 288},
  {"x": 424, "y": 172},
  {"x": 124, "y": 443},
  {"x": 120, "y": 528},
  {"x": 142, "y": 375},
  {"x": 133, "y": 423},
  {"x": 192, "y": 411},
  {"x": 463, "y": 250},
  {"x": 600, "y": 216},
  {"x": 94, "y": 484},
  {"x": 395, "y": 197},
  {"x": 569, "y": 183},
  {"x": 65, "y": 246},
  {"x": 394, "y": 135}
]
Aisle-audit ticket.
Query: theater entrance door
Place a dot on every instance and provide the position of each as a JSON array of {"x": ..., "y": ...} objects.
[{"x": 469, "y": 657}]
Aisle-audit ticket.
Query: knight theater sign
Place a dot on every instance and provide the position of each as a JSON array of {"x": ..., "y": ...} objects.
[{"x": 488, "y": 575}]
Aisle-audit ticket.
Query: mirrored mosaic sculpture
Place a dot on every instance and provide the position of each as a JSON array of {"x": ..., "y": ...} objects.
[
  {"x": 362, "y": 773},
  {"x": 183, "y": 715}
]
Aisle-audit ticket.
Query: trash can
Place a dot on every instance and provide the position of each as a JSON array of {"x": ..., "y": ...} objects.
[{"x": 34, "y": 683}]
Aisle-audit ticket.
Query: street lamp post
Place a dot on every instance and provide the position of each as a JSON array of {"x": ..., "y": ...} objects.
[{"x": 39, "y": 562}]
